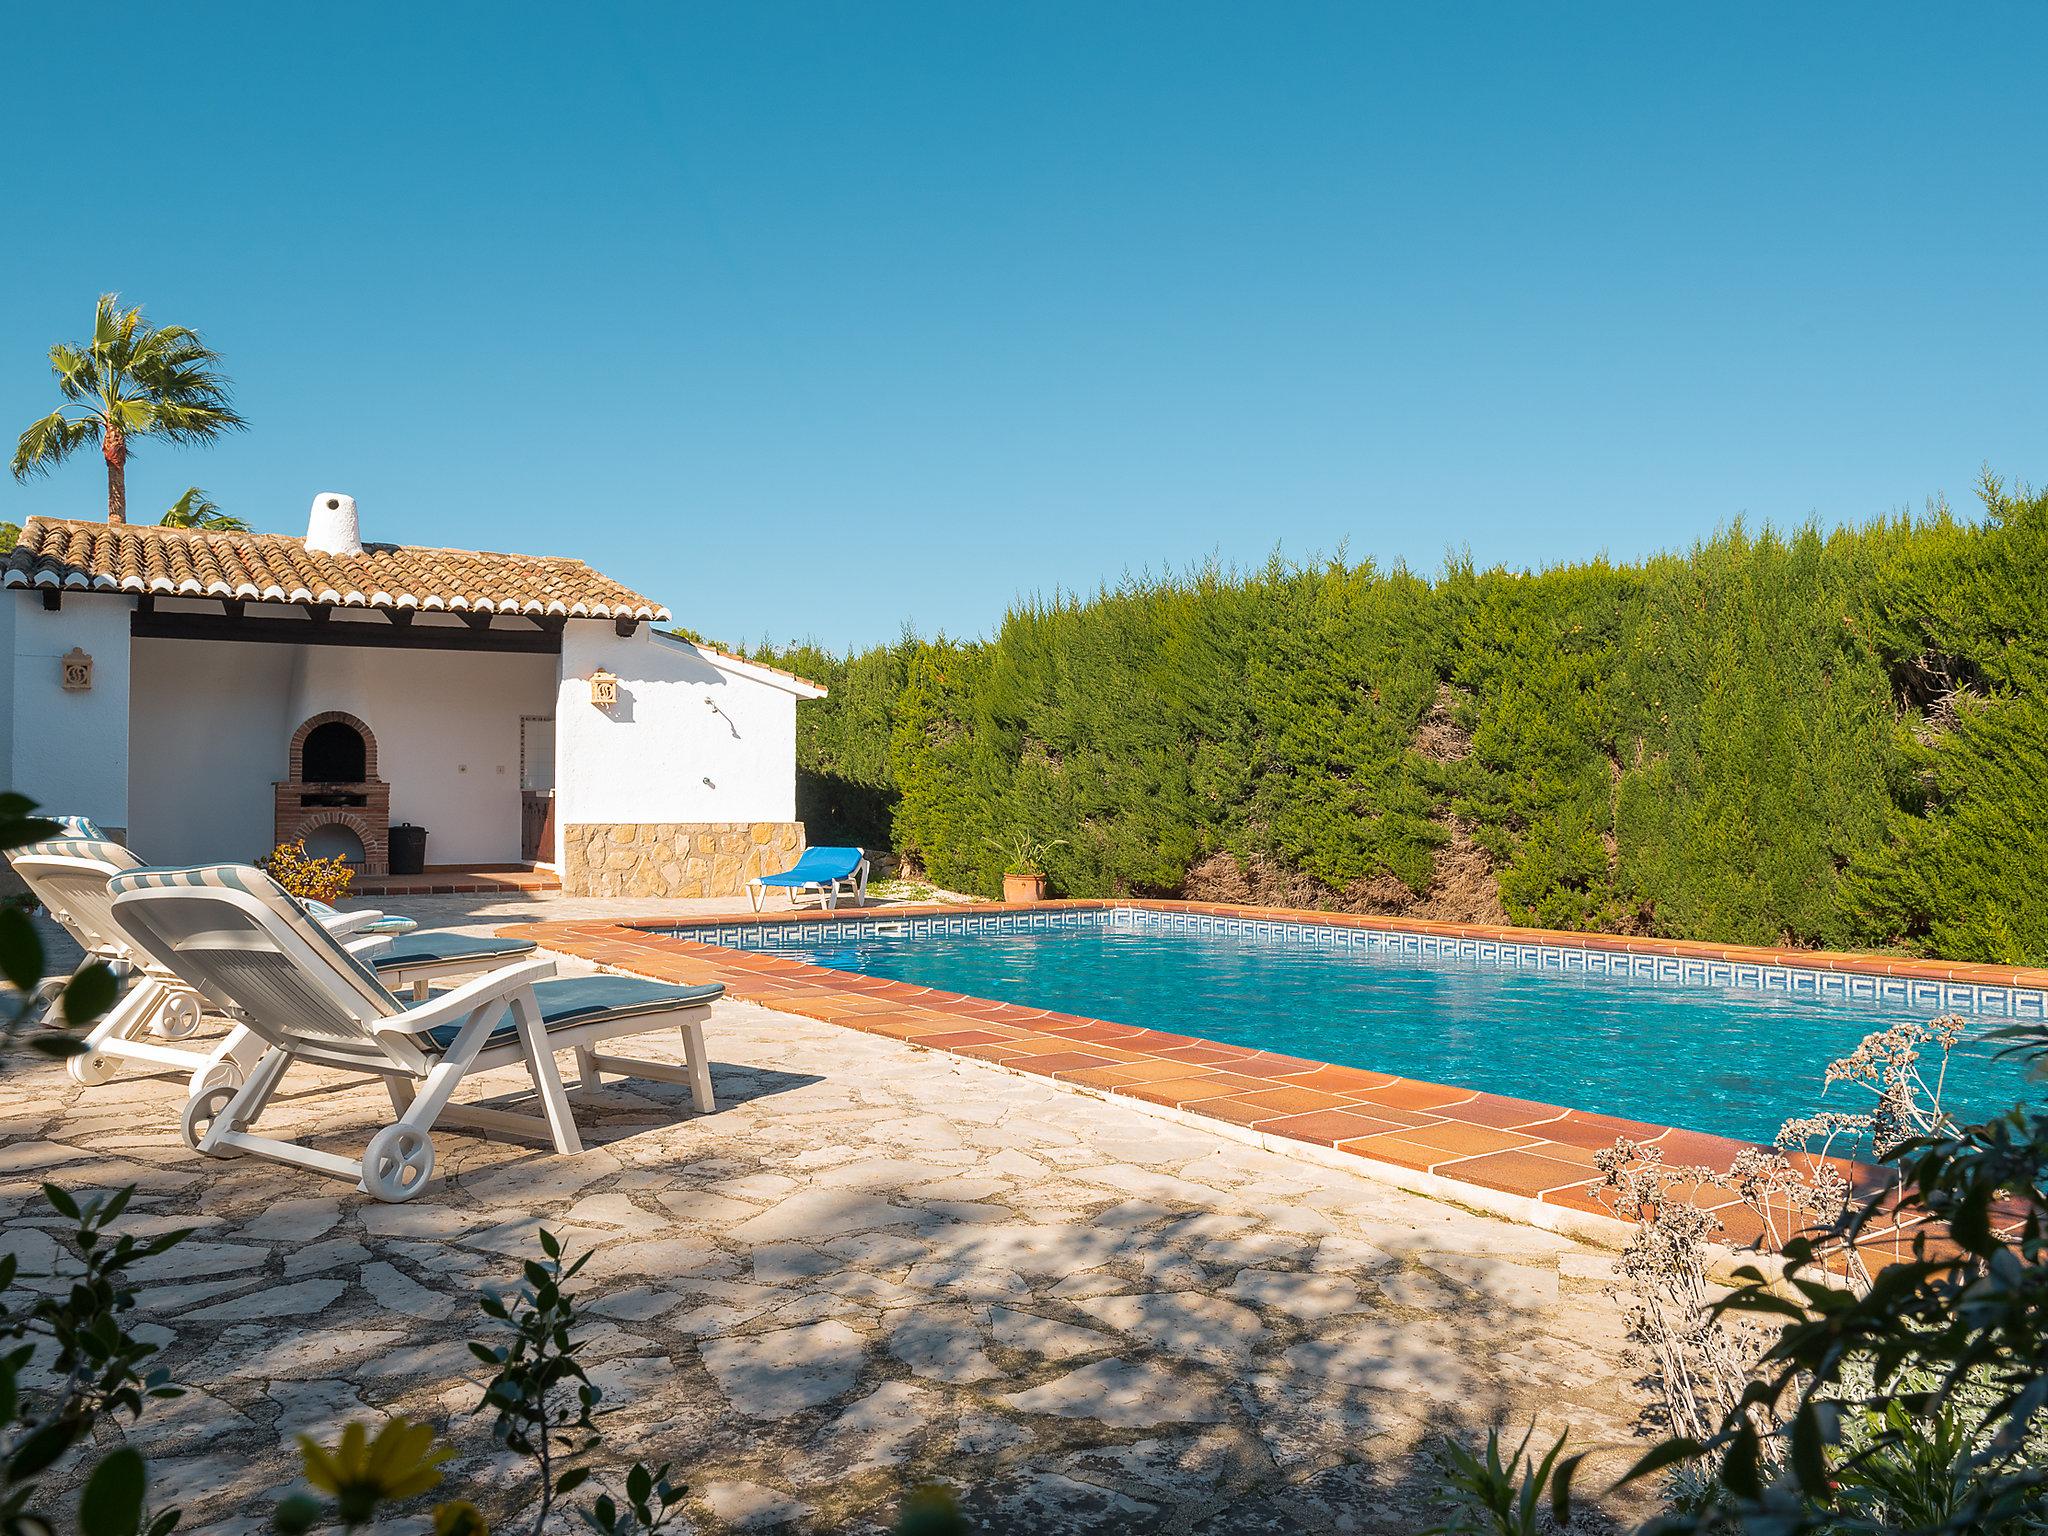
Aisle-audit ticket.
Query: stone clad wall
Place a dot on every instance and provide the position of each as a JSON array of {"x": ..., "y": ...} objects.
[{"x": 706, "y": 858}]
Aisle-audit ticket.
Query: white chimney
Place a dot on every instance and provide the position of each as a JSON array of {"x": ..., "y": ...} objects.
[{"x": 331, "y": 529}]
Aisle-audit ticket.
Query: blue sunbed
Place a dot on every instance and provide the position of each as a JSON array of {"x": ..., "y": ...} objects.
[{"x": 827, "y": 872}]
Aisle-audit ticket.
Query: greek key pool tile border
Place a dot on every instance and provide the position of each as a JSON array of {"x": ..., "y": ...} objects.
[{"x": 1790, "y": 981}]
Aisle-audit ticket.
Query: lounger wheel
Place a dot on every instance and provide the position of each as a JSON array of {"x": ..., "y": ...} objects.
[
  {"x": 397, "y": 1163},
  {"x": 220, "y": 1074},
  {"x": 178, "y": 1018},
  {"x": 92, "y": 1068},
  {"x": 201, "y": 1110}
]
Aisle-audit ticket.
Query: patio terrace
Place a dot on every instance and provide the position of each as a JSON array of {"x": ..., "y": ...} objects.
[{"x": 874, "y": 1265}]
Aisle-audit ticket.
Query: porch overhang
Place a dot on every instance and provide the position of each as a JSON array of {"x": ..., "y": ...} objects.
[{"x": 369, "y": 628}]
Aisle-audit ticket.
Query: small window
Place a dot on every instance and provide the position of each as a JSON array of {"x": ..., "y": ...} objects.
[{"x": 335, "y": 754}]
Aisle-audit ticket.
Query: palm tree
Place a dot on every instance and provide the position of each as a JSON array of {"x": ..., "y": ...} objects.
[
  {"x": 195, "y": 509},
  {"x": 134, "y": 380}
]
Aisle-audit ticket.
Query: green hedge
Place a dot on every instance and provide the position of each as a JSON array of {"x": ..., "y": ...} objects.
[{"x": 1836, "y": 739}]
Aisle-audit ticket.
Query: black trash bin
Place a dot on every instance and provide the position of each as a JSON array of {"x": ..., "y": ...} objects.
[{"x": 408, "y": 849}]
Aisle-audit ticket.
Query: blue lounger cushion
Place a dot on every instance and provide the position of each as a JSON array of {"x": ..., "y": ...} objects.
[
  {"x": 817, "y": 866},
  {"x": 592, "y": 999},
  {"x": 427, "y": 947}
]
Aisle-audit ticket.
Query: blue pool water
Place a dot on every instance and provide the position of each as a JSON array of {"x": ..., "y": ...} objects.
[{"x": 1734, "y": 1060}]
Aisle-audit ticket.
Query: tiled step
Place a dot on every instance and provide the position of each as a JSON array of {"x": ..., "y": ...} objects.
[{"x": 461, "y": 880}]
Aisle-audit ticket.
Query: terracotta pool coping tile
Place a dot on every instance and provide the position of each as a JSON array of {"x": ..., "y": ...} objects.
[
  {"x": 1237, "y": 1109},
  {"x": 906, "y": 1030},
  {"x": 1326, "y": 1127},
  {"x": 1285, "y": 1070},
  {"x": 1574, "y": 1197},
  {"x": 1349, "y": 1080},
  {"x": 1180, "y": 1091},
  {"x": 1504, "y": 1113},
  {"x": 1112, "y": 1076},
  {"x": 1160, "y": 1070},
  {"x": 1740, "y": 1225},
  {"x": 1061, "y": 1022},
  {"x": 1107, "y": 1053},
  {"x": 1290, "y": 1101},
  {"x": 1392, "y": 1147},
  {"x": 1000, "y": 1052},
  {"x": 1518, "y": 1172},
  {"x": 1516, "y": 1145},
  {"x": 1111, "y": 1034},
  {"x": 1598, "y": 1132},
  {"x": 951, "y": 1039},
  {"x": 1054, "y": 1063},
  {"x": 1207, "y": 1055},
  {"x": 857, "y": 982},
  {"x": 1449, "y": 1138},
  {"x": 875, "y": 1005},
  {"x": 1035, "y": 1018},
  {"x": 1408, "y": 1093},
  {"x": 1024, "y": 1044},
  {"x": 1717, "y": 1152},
  {"x": 1393, "y": 1114}
]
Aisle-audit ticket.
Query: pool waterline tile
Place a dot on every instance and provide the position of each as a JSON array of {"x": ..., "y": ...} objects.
[{"x": 1515, "y": 1146}]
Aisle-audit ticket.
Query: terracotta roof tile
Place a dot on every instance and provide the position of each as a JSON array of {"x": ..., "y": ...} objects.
[{"x": 274, "y": 567}]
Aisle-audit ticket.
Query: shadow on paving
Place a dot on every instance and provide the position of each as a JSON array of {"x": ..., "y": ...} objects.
[
  {"x": 851, "y": 1280},
  {"x": 1154, "y": 1365}
]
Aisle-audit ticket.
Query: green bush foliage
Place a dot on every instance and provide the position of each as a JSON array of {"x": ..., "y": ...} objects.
[
  {"x": 1962, "y": 620},
  {"x": 1800, "y": 738}
]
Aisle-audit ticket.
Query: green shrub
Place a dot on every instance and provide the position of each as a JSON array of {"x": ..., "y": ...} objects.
[
  {"x": 1815, "y": 739},
  {"x": 1962, "y": 618}
]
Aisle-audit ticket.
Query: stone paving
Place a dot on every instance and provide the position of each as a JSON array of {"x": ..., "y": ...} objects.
[{"x": 874, "y": 1265}]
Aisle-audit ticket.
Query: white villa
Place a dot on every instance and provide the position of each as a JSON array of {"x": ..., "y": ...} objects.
[{"x": 204, "y": 696}]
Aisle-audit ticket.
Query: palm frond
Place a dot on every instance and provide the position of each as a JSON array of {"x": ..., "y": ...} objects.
[
  {"x": 48, "y": 442},
  {"x": 105, "y": 320},
  {"x": 184, "y": 421},
  {"x": 76, "y": 376},
  {"x": 113, "y": 332},
  {"x": 134, "y": 415},
  {"x": 195, "y": 509},
  {"x": 150, "y": 381}
]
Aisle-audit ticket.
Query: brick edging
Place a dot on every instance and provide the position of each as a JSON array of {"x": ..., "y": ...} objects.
[{"x": 1530, "y": 1152}]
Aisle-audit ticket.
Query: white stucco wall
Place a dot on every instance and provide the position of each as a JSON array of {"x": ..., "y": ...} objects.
[
  {"x": 179, "y": 741},
  {"x": 213, "y": 722},
  {"x": 208, "y": 727},
  {"x": 664, "y": 754},
  {"x": 70, "y": 750}
]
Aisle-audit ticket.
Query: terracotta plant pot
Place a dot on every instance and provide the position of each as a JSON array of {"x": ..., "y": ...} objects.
[{"x": 1022, "y": 888}]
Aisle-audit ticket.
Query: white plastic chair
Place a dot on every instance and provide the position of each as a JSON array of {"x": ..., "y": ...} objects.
[
  {"x": 69, "y": 877},
  {"x": 233, "y": 934}
]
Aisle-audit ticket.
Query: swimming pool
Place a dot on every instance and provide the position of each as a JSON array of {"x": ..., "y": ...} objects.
[{"x": 1709, "y": 1045}]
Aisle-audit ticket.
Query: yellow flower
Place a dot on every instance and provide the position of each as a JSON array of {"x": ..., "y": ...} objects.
[
  {"x": 459, "y": 1517},
  {"x": 362, "y": 1472}
]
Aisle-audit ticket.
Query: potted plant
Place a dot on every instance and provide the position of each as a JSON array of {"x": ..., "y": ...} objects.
[
  {"x": 309, "y": 879},
  {"x": 1024, "y": 865}
]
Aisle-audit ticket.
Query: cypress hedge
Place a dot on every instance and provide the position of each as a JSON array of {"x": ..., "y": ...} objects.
[{"x": 1804, "y": 738}]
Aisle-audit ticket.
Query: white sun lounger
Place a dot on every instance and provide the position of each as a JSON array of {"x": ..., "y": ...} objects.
[
  {"x": 69, "y": 876},
  {"x": 233, "y": 934}
]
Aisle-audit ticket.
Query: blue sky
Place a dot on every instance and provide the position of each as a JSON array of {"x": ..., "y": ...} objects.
[{"x": 823, "y": 320}]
